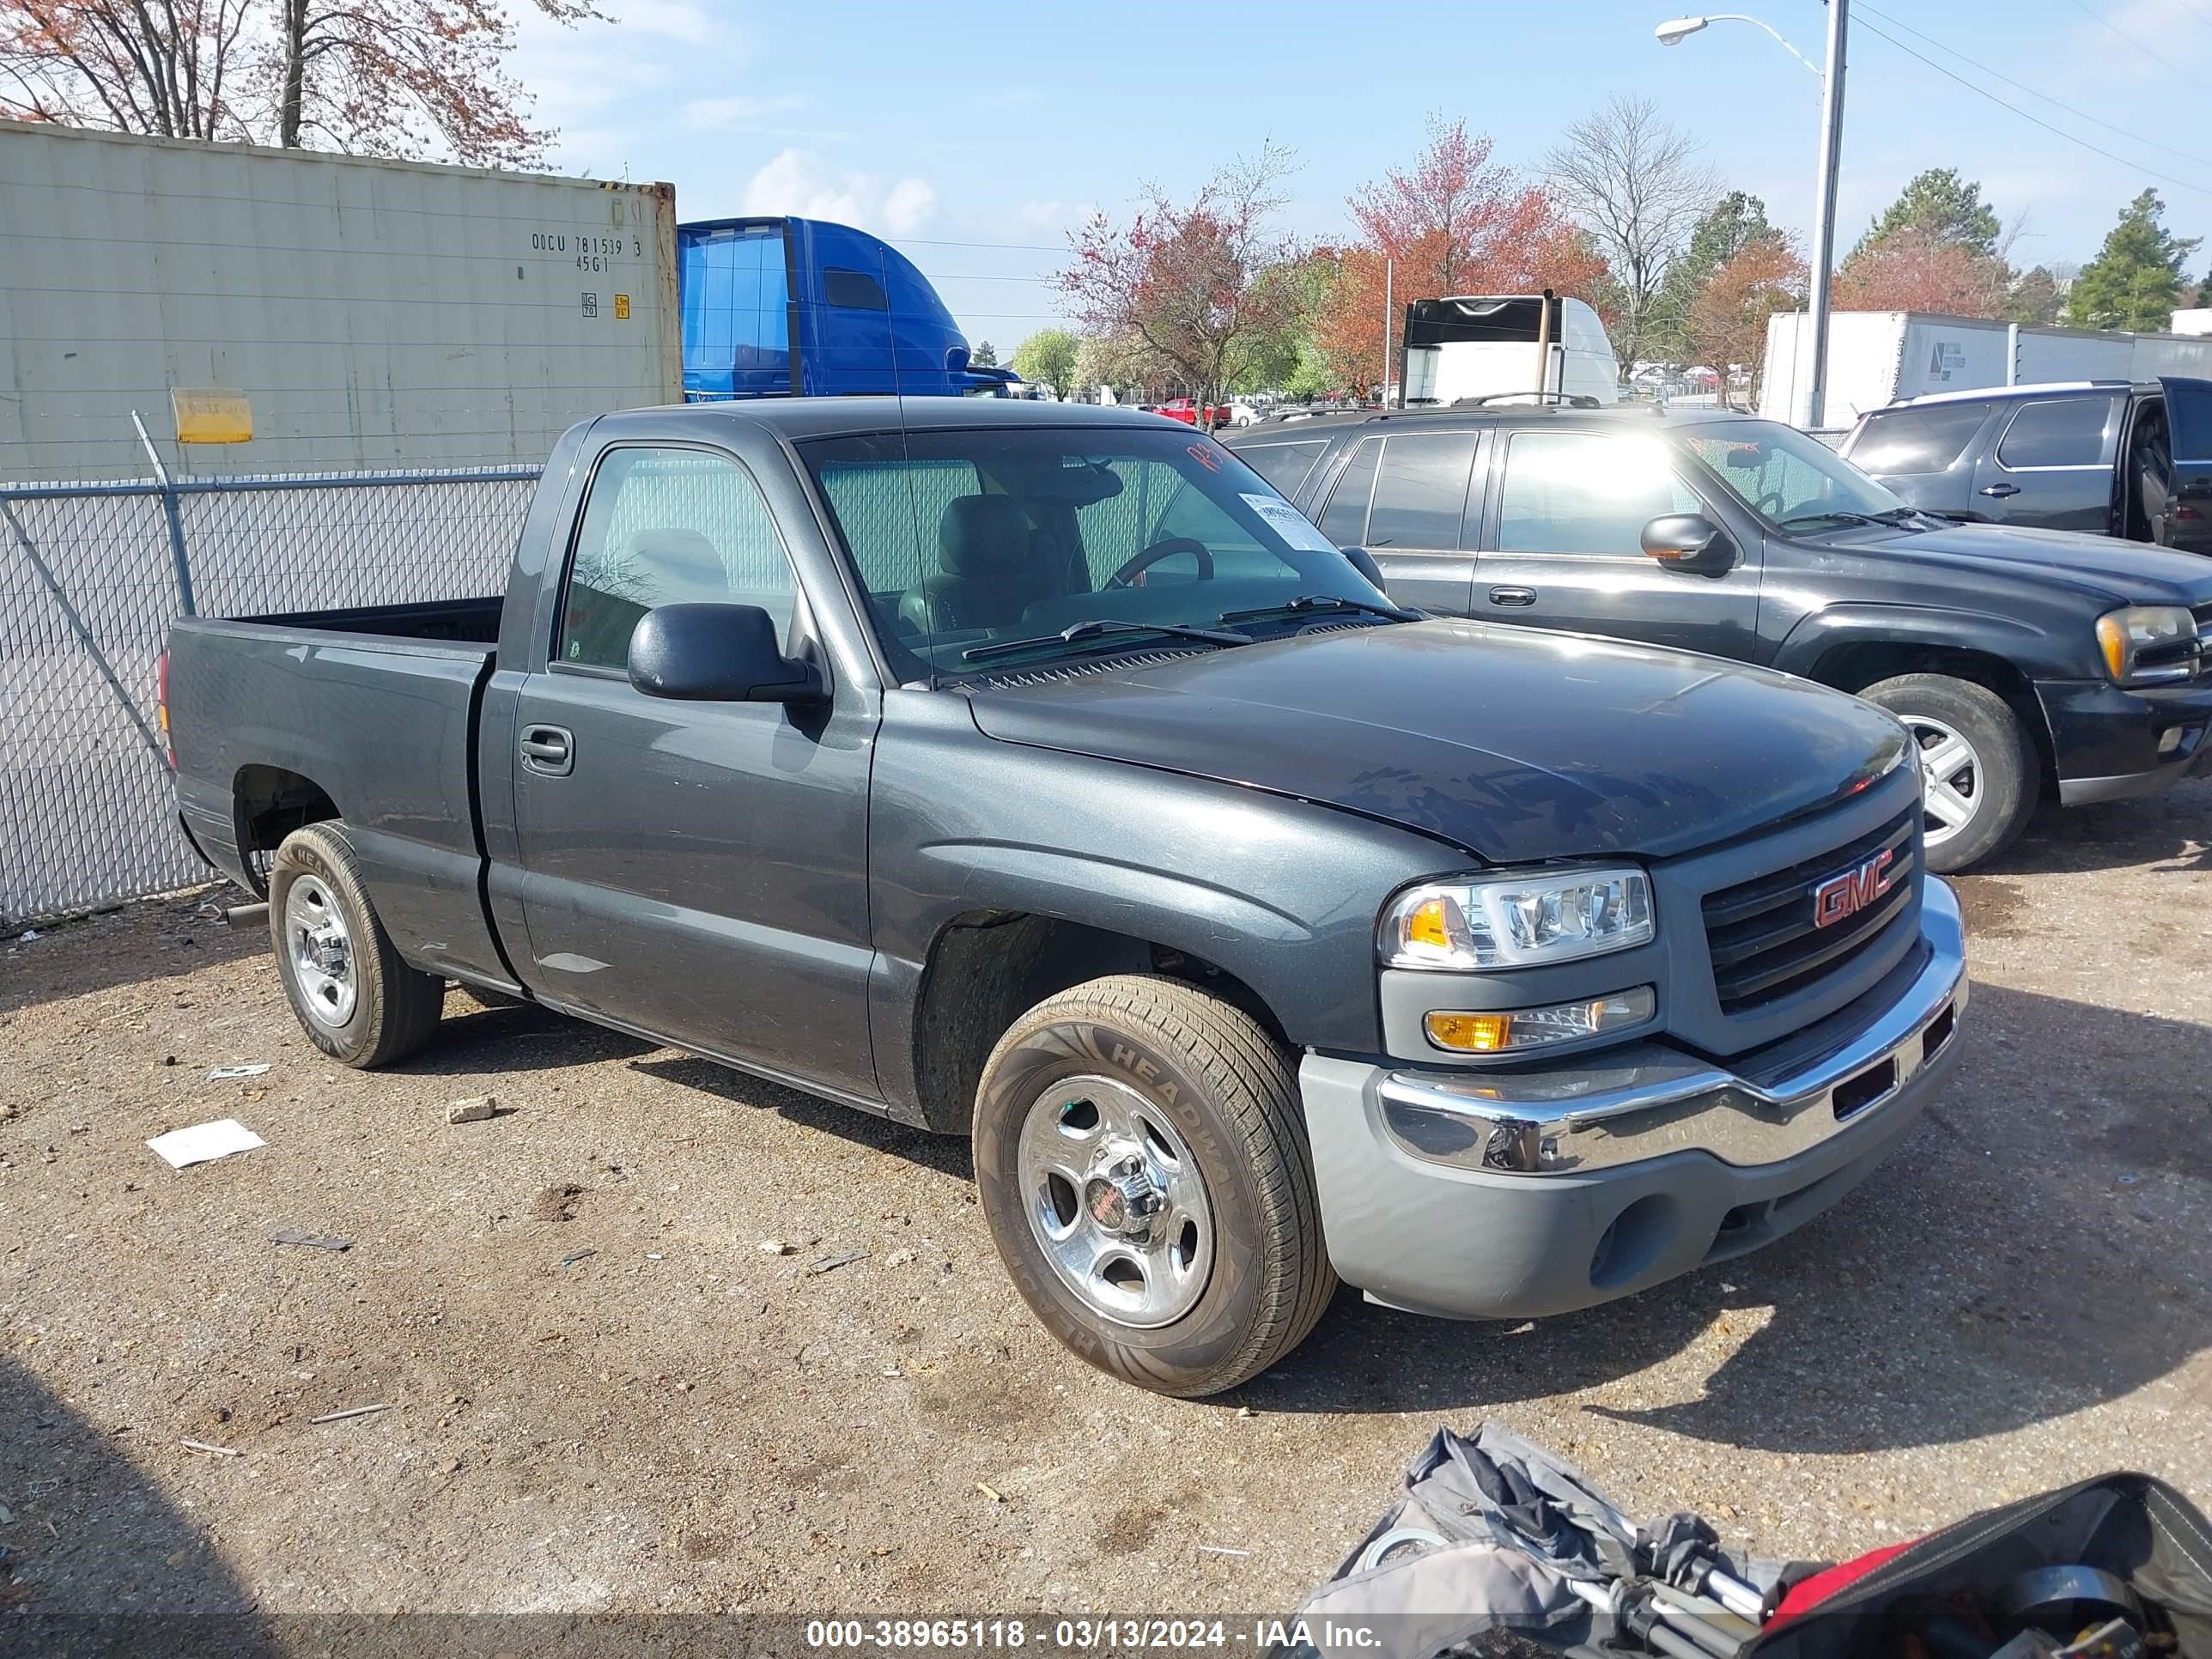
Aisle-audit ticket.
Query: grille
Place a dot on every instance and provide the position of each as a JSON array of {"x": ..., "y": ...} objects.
[{"x": 1764, "y": 942}]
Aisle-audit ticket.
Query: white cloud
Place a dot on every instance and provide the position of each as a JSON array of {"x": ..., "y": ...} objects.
[
  {"x": 800, "y": 182},
  {"x": 706, "y": 112},
  {"x": 908, "y": 208}
]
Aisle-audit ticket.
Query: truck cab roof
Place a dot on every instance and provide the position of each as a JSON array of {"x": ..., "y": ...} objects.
[{"x": 835, "y": 418}]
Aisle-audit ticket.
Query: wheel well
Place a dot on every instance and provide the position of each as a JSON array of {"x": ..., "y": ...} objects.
[
  {"x": 271, "y": 803},
  {"x": 988, "y": 968},
  {"x": 1856, "y": 666}
]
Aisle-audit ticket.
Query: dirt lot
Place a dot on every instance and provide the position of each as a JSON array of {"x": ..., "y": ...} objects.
[{"x": 603, "y": 1392}]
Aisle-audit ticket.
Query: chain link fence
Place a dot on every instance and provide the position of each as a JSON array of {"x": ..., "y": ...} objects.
[{"x": 91, "y": 575}]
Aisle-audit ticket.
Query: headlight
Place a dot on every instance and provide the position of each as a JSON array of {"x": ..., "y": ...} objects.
[
  {"x": 1527, "y": 920},
  {"x": 2146, "y": 644}
]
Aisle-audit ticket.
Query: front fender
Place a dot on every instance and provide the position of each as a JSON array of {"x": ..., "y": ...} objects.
[
  {"x": 2031, "y": 649},
  {"x": 1281, "y": 893}
]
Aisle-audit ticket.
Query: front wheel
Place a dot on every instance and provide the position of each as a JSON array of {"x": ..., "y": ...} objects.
[
  {"x": 1141, "y": 1153},
  {"x": 1978, "y": 765}
]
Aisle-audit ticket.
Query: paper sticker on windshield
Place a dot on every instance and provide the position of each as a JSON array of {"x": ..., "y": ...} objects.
[{"x": 1286, "y": 521}]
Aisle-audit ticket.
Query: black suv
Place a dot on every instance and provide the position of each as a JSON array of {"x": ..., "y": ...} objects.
[
  {"x": 2026, "y": 664},
  {"x": 2100, "y": 456}
]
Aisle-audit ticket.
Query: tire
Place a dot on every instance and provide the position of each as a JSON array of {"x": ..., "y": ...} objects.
[
  {"x": 1234, "y": 1274},
  {"x": 1987, "y": 759},
  {"x": 356, "y": 1000}
]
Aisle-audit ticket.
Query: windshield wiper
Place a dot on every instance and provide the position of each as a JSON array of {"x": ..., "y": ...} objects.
[
  {"x": 1318, "y": 602},
  {"x": 1905, "y": 517},
  {"x": 1097, "y": 627},
  {"x": 1835, "y": 515}
]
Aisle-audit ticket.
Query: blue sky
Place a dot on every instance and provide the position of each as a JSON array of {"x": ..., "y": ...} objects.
[{"x": 1004, "y": 125}]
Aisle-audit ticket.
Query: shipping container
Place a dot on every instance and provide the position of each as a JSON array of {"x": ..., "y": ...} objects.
[
  {"x": 353, "y": 312},
  {"x": 1875, "y": 357}
]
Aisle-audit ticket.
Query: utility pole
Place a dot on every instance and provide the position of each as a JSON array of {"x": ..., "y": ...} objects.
[
  {"x": 1824, "y": 210},
  {"x": 1388, "y": 267}
]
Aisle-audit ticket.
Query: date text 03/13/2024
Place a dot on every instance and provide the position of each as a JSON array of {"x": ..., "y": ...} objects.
[{"x": 1093, "y": 1635}]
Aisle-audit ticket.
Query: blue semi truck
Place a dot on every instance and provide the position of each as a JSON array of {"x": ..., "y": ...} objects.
[{"x": 781, "y": 307}]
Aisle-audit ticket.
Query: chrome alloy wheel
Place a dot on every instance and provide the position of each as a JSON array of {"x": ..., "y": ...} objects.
[
  {"x": 321, "y": 948},
  {"x": 1950, "y": 775},
  {"x": 1116, "y": 1200}
]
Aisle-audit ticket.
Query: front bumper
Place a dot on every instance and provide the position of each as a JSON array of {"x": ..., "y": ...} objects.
[
  {"x": 2111, "y": 743},
  {"x": 1513, "y": 1195}
]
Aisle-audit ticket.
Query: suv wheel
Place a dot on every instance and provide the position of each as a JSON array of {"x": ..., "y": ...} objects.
[
  {"x": 1141, "y": 1153},
  {"x": 356, "y": 1000},
  {"x": 1978, "y": 765}
]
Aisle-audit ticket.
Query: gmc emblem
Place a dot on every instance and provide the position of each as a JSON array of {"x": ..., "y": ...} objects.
[{"x": 1853, "y": 891}]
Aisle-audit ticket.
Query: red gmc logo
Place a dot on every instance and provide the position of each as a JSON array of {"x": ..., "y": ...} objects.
[{"x": 1852, "y": 891}]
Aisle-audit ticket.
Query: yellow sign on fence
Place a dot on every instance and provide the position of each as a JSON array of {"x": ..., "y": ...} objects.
[{"x": 211, "y": 415}]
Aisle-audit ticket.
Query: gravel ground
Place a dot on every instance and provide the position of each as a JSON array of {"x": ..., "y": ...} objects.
[{"x": 602, "y": 1392}]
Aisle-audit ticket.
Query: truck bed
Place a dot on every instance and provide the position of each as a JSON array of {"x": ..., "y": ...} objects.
[
  {"x": 374, "y": 711},
  {"x": 472, "y": 621}
]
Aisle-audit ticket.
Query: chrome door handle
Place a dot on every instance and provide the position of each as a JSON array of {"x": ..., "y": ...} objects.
[
  {"x": 1513, "y": 596},
  {"x": 1999, "y": 490}
]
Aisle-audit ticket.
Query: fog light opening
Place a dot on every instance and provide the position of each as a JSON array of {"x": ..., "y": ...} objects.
[
  {"x": 1938, "y": 1032},
  {"x": 1639, "y": 1236},
  {"x": 2169, "y": 740}
]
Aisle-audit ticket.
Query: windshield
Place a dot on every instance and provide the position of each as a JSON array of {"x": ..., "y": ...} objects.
[
  {"x": 967, "y": 539},
  {"x": 1791, "y": 481}
]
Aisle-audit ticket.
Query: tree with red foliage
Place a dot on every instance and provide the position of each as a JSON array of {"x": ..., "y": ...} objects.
[
  {"x": 373, "y": 77},
  {"x": 1910, "y": 270},
  {"x": 1198, "y": 290},
  {"x": 1455, "y": 223},
  {"x": 1728, "y": 316}
]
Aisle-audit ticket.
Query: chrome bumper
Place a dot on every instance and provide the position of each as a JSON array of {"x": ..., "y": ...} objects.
[{"x": 1639, "y": 1102}]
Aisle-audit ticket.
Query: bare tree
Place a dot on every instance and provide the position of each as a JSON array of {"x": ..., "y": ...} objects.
[
  {"x": 1632, "y": 179},
  {"x": 124, "y": 65},
  {"x": 376, "y": 77}
]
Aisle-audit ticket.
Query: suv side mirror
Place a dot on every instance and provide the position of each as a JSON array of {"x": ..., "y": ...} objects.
[
  {"x": 717, "y": 654},
  {"x": 1690, "y": 541}
]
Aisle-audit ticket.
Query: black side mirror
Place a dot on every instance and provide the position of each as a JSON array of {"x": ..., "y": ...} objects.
[
  {"x": 1363, "y": 563},
  {"x": 1690, "y": 541},
  {"x": 717, "y": 654}
]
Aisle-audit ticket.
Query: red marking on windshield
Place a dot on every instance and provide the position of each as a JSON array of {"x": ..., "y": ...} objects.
[{"x": 1203, "y": 454}]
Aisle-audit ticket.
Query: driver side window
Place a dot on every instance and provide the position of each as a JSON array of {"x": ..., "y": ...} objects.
[{"x": 1586, "y": 492}]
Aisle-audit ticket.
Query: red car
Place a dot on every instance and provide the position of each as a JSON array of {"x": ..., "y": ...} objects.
[{"x": 1186, "y": 410}]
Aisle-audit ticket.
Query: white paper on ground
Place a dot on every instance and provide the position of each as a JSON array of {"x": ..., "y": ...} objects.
[
  {"x": 224, "y": 1073},
  {"x": 203, "y": 1142}
]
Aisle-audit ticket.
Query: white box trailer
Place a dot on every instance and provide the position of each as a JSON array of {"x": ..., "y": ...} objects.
[
  {"x": 370, "y": 313},
  {"x": 1875, "y": 357}
]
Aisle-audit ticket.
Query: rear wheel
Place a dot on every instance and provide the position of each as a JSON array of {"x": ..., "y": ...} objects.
[
  {"x": 1141, "y": 1153},
  {"x": 1978, "y": 765},
  {"x": 356, "y": 1000}
]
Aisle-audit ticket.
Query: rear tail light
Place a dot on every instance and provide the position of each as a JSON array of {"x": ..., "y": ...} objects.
[{"x": 162, "y": 707}]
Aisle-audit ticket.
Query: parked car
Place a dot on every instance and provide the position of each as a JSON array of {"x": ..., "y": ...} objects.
[
  {"x": 2098, "y": 456},
  {"x": 1189, "y": 410},
  {"x": 1101, "y": 808},
  {"x": 2028, "y": 664}
]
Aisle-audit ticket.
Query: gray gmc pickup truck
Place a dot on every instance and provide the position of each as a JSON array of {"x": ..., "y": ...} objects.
[{"x": 1038, "y": 773}]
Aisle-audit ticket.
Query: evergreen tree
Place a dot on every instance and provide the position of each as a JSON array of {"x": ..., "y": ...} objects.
[
  {"x": 2135, "y": 281},
  {"x": 983, "y": 357},
  {"x": 1943, "y": 208}
]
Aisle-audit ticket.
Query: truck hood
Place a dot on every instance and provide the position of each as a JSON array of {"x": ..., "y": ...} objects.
[
  {"x": 2120, "y": 573},
  {"x": 1511, "y": 743}
]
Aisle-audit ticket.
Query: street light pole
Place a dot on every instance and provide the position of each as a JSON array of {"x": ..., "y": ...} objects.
[
  {"x": 1811, "y": 408},
  {"x": 1824, "y": 210}
]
